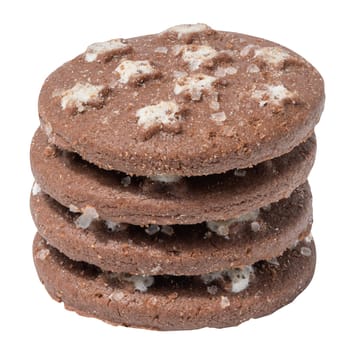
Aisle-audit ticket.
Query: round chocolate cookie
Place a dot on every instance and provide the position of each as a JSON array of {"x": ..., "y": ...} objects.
[
  {"x": 189, "y": 101},
  {"x": 172, "y": 302},
  {"x": 117, "y": 197},
  {"x": 179, "y": 249}
]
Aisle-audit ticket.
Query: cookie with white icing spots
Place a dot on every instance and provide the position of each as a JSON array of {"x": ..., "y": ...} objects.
[
  {"x": 158, "y": 200},
  {"x": 173, "y": 167},
  {"x": 165, "y": 302},
  {"x": 177, "y": 249},
  {"x": 188, "y": 101}
]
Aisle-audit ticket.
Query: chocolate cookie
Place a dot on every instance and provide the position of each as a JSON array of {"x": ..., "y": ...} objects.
[
  {"x": 217, "y": 300},
  {"x": 117, "y": 197},
  {"x": 179, "y": 249},
  {"x": 189, "y": 101}
]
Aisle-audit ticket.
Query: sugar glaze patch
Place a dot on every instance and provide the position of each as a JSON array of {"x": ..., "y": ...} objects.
[
  {"x": 273, "y": 94},
  {"x": 272, "y": 55},
  {"x": 107, "y": 48},
  {"x": 165, "y": 112},
  {"x": 81, "y": 95},
  {"x": 194, "y": 85},
  {"x": 185, "y": 29},
  {"x": 128, "y": 69}
]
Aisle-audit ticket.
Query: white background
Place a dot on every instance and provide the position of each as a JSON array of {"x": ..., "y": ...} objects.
[{"x": 37, "y": 37}]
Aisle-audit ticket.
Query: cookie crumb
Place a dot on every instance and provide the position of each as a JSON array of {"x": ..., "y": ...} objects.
[
  {"x": 255, "y": 226},
  {"x": 241, "y": 278},
  {"x": 42, "y": 254},
  {"x": 224, "y": 302},
  {"x": 36, "y": 189},
  {"x": 167, "y": 230},
  {"x": 194, "y": 85},
  {"x": 81, "y": 95},
  {"x": 306, "y": 251},
  {"x": 106, "y": 50},
  {"x": 115, "y": 226},
  {"x": 126, "y": 181},
  {"x": 134, "y": 69},
  {"x": 89, "y": 214},
  {"x": 212, "y": 289},
  {"x": 218, "y": 118},
  {"x": 152, "y": 229}
]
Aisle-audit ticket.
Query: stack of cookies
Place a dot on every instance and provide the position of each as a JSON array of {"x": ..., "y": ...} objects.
[{"x": 171, "y": 179}]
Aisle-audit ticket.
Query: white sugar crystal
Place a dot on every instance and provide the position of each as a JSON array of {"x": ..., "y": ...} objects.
[
  {"x": 116, "y": 296},
  {"x": 128, "y": 69},
  {"x": 42, "y": 254},
  {"x": 126, "y": 181},
  {"x": 36, "y": 189},
  {"x": 239, "y": 172},
  {"x": 305, "y": 251},
  {"x": 165, "y": 178},
  {"x": 195, "y": 55},
  {"x": 115, "y": 226},
  {"x": 88, "y": 215},
  {"x": 167, "y": 230},
  {"x": 223, "y": 71},
  {"x": 221, "y": 228},
  {"x": 272, "y": 55},
  {"x": 214, "y": 103},
  {"x": 161, "y": 49},
  {"x": 252, "y": 68},
  {"x": 274, "y": 94},
  {"x": 164, "y": 112},
  {"x": 255, "y": 226},
  {"x": 152, "y": 229},
  {"x": 224, "y": 302},
  {"x": 219, "y": 117},
  {"x": 240, "y": 278},
  {"x": 73, "y": 208},
  {"x": 184, "y": 29},
  {"x": 96, "y": 49},
  {"x": 80, "y": 95},
  {"x": 194, "y": 85},
  {"x": 212, "y": 289}
]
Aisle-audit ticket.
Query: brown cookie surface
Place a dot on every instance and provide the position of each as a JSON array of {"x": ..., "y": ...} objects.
[
  {"x": 181, "y": 250},
  {"x": 71, "y": 181},
  {"x": 172, "y": 303},
  {"x": 187, "y": 102}
]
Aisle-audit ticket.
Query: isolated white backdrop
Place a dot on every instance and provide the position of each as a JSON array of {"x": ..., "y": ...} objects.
[{"x": 37, "y": 37}]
